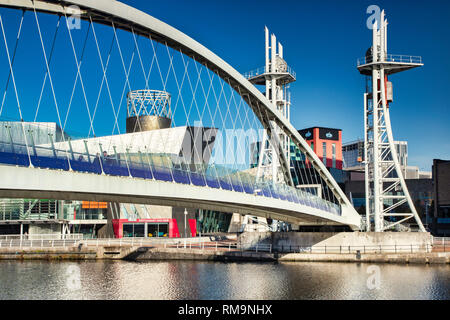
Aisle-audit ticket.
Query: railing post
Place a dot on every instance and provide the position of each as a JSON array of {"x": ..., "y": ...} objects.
[
  {"x": 10, "y": 243},
  {"x": 42, "y": 243},
  {"x": 340, "y": 249},
  {"x": 411, "y": 248},
  {"x": 216, "y": 245}
]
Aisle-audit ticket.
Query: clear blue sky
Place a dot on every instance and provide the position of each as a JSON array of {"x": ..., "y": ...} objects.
[{"x": 322, "y": 40}]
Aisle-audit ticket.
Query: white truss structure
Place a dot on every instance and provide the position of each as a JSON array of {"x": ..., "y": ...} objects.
[
  {"x": 385, "y": 186},
  {"x": 276, "y": 76},
  {"x": 148, "y": 102}
]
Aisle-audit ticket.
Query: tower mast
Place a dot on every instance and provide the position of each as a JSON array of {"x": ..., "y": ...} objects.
[
  {"x": 386, "y": 189},
  {"x": 276, "y": 77}
]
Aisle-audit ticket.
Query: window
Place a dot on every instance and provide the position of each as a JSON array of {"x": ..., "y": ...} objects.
[
  {"x": 127, "y": 230},
  {"x": 133, "y": 230},
  {"x": 334, "y": 155},
  {"x": 157, "y": 229},
  {"x": 324, "y": 153}
]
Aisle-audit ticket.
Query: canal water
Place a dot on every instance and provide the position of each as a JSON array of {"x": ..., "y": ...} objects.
[{"x": 215, "y": 280}]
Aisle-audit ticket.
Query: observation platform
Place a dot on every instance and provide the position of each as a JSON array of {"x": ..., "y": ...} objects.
[
  {"x": 260, "y": 75},
  {"x": 392, "y": 64}
]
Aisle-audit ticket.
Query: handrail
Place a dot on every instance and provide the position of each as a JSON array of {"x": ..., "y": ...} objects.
[
  {"x": 49, "y": 236},
  {"x": 262, "y": 70},
  {"x": 194, "y": 243},
  {"x": 398, "y": 58}
]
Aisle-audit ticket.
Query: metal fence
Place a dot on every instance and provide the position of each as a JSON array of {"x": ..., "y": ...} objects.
[
  {"x": 439, "y": 245},
  {"x": 262, "y": 70},
  {"x": 399, "y": 58},
  {"x": 49, "y": 236},
  {"x": 18, "y": 243},
  {"x": 357, "y": 249}
]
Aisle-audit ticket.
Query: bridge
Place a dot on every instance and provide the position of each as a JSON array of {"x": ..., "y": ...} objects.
[{"x": 193, "y": 121}]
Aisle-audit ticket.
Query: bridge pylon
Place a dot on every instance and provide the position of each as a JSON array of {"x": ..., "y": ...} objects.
[
  {"x": 276, "y": 76},
  {"x": 385, "y": 186}
]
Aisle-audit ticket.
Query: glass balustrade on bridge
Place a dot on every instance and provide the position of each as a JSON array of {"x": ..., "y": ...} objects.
[{"x": 159, "y": 167}]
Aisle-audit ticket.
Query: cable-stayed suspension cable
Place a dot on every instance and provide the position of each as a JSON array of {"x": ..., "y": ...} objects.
[
  {"x": 12, "y": 61},
  {"x": 15, "y": 90}
]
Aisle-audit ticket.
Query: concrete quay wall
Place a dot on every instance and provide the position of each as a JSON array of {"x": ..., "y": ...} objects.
[
  {"x": 340, "y": 242},
  {"x": 402, "y": 258},
  {"x": 152, "y": 253},
  {"x": 198, "y": 254},
  {"x": 61, "y": 253},
  {"x": 133, "y": 253}
]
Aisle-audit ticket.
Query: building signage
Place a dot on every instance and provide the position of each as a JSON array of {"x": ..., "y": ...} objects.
[
  {"x": 307, "y": 134},
  {"x": 328, "y": 134},
  {"x": 324, "y": 134}
]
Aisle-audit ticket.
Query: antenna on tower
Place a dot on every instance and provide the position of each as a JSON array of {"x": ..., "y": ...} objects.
[{"x": 386, "y": 189}]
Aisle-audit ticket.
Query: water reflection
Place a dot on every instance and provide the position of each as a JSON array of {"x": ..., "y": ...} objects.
[{"x": 212, "y": 280}]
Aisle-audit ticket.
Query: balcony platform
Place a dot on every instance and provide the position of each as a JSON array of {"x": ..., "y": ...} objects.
[
  {"x": 392, "y": 64},
  {"x": 259, "y": 76}
]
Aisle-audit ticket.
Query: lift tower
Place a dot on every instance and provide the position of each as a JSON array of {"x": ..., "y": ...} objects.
[
  {"x": 385, "y": 185},
  {"x": 276, "y": 76}
]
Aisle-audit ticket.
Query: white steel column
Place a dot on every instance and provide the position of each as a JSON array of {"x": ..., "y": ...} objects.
[
  {"x": 269, "y": 160},
  {"x": 376, "y": 135},
  {"x": 366, "y": 161}
]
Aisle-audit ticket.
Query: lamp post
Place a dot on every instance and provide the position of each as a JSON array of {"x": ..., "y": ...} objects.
[{"x": 185, "y": 215}]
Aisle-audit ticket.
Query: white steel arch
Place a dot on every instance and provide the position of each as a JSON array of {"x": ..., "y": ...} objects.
[{"x": 131, "y": 19}]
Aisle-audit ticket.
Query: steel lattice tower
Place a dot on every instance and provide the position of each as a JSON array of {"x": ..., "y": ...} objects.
[
  {"x": 276, "y": 76},
  {"x": 386, "y": 190}
]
